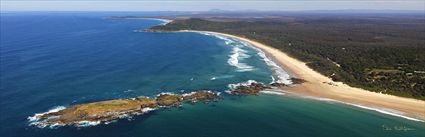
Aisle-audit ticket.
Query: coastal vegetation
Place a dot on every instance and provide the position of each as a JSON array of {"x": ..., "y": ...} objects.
[{"x": 382, "y": 53}]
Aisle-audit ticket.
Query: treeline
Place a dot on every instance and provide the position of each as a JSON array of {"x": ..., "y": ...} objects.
[{"x": 379, "y": 54}]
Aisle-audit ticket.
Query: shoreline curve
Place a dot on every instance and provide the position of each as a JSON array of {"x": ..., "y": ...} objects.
[{"x": 320, "y": 86}]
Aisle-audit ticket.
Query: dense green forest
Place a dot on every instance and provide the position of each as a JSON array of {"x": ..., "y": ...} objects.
[{"x": 381, "y": 54}]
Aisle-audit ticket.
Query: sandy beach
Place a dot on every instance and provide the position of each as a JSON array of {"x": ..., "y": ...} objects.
[{"x": 321, "y": 87}]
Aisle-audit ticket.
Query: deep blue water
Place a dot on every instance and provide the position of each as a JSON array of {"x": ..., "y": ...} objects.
[{"x": 50, "y": 60}]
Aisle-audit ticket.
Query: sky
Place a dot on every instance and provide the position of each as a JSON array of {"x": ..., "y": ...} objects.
[{"x": 205, "y": 5}]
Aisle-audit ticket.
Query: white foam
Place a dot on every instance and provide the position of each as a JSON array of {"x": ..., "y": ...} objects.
[
  {"x": 273, "y": 79},
  {"x": 247, "y": 83},
  {"x": 380, "y": 110},
  {"x": 148, "y": 109},
  {"x": 221, "y": 77},
  {"x": 87, "y": 123},
  {"x": 35, "y": 120},
  {"x": 236, "y": 55},
  {"x": 272, "y": 92},
  {"x": 56, "y": 125},
  {"x": 164, "y": 21},
  {"x": 188, "y": 94},
  {"x": 165, "y": 93},
  {"x": 282, "y": 75},
  {"x": 54, "y": 109},
  {"x": 109, "y": 122},
  {"x": 124, "y": 116}
]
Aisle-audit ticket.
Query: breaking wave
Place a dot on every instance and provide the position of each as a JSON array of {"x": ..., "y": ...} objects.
[
  {"x": 280, "y": 75},
  {"x": 237, "y": 54},
  {"x": 35, "y": 120},
  {"x": 247, "y": 83}
]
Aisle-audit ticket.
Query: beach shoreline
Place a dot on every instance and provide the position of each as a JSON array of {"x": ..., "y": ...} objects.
[{"x": 323, "y": 88}]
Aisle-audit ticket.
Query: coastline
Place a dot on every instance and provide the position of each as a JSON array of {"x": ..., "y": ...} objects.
[{"x": 323, "y": 88}]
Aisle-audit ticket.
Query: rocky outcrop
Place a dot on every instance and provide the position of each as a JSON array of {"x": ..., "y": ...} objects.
[
  {"x": 103, "y": 111},
  {"x": 249, "y": 89},
  {"x": 169, "y": 100},
  {"x": 98, "y": 111},
  {"x": 201, "y": 96},
  {"x": 253, "y": 88},
  {"x": 297, "y": 80}
]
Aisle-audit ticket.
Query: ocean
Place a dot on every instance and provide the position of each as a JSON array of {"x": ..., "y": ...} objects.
[{"x": 51, "y": 60}]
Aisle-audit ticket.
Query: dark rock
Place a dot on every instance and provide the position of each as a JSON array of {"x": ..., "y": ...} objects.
[
  {"x": 278, "y": 85},
  {"x": 203, "y": 96},
  {"x": 251, "y": 89},
  {"x": 297, "y": 80},
  {"x": 169, "y": 100}
]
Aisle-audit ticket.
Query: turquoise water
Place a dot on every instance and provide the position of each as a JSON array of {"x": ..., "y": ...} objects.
[{"x": 50, "y": 60}]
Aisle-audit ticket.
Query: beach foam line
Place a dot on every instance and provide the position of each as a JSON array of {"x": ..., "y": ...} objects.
[
  {"x": 380, "y": 110},
  {"x": 164, "y": 21},
  {"x": 279, "y": 72},
  {"x": 272, "y": 92}
]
